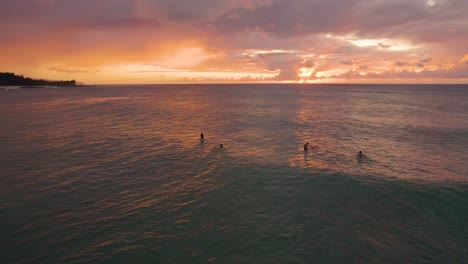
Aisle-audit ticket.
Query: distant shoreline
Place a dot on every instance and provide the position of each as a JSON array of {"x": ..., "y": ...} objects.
[
  {"x": 49, "y": 86},
  {"x": 11, "y": 79},
  {"x": 40, "y": 86}
]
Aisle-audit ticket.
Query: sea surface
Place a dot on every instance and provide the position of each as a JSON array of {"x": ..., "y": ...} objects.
[{"x": 117, "y": 174}]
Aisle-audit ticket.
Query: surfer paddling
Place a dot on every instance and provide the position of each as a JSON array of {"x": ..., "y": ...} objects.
[{"x": 220, "y": 147}]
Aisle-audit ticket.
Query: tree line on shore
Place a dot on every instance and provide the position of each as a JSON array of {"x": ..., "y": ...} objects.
[{"x": 8, "y": 78}]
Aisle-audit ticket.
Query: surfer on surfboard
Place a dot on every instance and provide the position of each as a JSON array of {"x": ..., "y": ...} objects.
[
  {"x": 202, "y": 137},
  {"x": 307, "y": 148}
]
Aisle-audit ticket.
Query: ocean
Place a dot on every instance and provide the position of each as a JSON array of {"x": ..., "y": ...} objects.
[{"x": 117, "y": 174}]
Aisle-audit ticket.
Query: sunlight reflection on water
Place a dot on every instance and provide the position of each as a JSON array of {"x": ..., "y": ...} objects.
[{"x": 118, "y": 172}]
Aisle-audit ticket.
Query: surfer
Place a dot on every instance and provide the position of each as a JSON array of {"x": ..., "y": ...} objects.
[
  {"x": 202, "y": 137},
  {"x": 306, "y": 145},
  {"x": 220, "y": 147},
  {"x": 360, "y": 155}
]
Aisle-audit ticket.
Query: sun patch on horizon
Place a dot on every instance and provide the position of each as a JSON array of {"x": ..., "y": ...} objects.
[{"x": 306, "y": 72}]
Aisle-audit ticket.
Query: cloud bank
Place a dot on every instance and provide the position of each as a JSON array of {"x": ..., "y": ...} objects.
[{"x": 235, "y": 40}]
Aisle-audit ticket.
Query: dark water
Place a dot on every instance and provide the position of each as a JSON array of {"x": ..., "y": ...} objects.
[{"x": 118, "y": 175}]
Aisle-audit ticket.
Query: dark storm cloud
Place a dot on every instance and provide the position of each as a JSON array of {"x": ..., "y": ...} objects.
[
  {"x": 287, "y": 18},
  {"x": 414, "y": 19}
]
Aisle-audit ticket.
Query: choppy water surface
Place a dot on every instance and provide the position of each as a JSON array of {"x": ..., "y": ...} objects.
[{"x": 116, "y": 174}]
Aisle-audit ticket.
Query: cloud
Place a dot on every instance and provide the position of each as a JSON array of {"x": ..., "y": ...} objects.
[
  {"x": 401, "y": 63},
  {"x": 287, "y": 73},
  {"x": 382, "y": 45},
  {"x": 350, "y": 39},
  {"x": 346, "y": 62},
  {"x": 411, "y": 19},
  {"x": 464, "y": 59},
  {"x": 425, "y": 60},
  {"x": 68, "y": 70},
  {"x": 458, "y": 71},
  {"x": 308, "y": 63},
  {"x": 422, "y": 62}
]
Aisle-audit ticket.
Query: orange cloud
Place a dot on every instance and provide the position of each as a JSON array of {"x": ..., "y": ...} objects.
[{"x": 146, "y": 41}]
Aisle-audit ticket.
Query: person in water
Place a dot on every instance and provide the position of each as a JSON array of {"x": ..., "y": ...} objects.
[
  {"x": 360, "y": 155},
  {"x": 202, "y": 137},
  {"x": 220, "y": 147},
  {"x": 306, "y": 146}
]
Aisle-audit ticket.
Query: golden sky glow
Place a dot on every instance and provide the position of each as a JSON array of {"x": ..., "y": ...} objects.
[{"x": 182, "y": 41}]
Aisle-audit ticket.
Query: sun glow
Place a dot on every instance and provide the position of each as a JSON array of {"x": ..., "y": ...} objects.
[
  {"x": 464, "y": 59},
  {"x": 184, "y": 57},
  {"x": 306, "y": 72}
]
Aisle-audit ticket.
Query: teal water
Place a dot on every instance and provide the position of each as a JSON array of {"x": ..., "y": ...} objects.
[{"x": 117, "y": 174}]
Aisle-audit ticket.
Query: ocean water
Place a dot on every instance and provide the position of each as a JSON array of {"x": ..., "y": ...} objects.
[{"x": 117, "y": 174}]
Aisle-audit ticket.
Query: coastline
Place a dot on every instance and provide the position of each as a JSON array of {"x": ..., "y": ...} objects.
[{"x": 19, "y": 87}]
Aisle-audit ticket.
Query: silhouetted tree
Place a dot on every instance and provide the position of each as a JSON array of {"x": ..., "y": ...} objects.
[{"x": 8, "y": 78}]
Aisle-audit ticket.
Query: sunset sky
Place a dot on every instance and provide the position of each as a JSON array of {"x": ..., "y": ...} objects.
[{"x": 222, "y": 41}]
